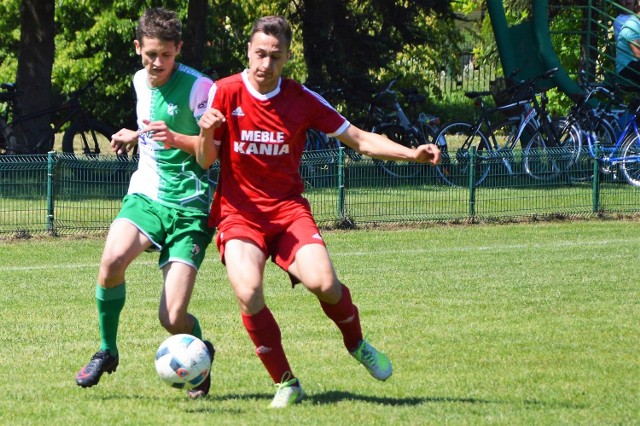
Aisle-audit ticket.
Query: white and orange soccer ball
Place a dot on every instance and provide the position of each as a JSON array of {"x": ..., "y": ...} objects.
[{"x": 183, "y": 361}]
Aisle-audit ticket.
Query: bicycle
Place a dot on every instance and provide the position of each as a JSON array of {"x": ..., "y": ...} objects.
[
  {"x": 320, "y": 152},
  {"x": 541, "y": 138},
  {"x": 83, "y": 134},
  {"x": 615, "y": 151},
  {"x": 386, "y": 117},
  {"x": 596, "y": 122}
]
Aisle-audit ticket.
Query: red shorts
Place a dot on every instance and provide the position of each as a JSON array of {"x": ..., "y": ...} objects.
[{"x": 278, "y": 235}]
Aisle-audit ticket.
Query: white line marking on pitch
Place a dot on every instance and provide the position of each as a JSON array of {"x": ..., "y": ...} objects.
[{"x": 436, "y": 249}]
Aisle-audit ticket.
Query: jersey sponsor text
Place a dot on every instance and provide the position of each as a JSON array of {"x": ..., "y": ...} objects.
[{"x": 260, "y": 148}]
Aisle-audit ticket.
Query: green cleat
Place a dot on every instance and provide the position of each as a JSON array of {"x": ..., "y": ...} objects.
[
  {"x": 376, "y": 363},
  {"x": 289, "y": 392}
]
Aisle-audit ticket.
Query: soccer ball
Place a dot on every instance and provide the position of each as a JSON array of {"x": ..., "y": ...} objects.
[{"x": 183, "y": 361}]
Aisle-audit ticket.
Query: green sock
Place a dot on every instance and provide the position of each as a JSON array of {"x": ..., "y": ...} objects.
[
  {"x": 110, "y": 302},
  {"x": 197, "y": 331}
]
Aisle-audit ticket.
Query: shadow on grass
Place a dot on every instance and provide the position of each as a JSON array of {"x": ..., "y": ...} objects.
[{"x": 332, "y": 397}]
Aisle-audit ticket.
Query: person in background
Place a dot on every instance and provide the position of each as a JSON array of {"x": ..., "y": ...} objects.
[
  {"x": 625, "y": 12},
  {"x": 256, "y": 127},
  {"x": 167, "y": 204},
  {"x": 628, "y": 48}
]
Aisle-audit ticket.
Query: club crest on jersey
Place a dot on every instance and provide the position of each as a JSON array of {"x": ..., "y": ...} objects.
[{"x": 172, "y": 109}]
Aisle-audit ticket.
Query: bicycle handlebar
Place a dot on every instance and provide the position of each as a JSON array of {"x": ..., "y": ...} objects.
[
  {"x": 11, "y": 93},
  {"x": 89, "y": 86},
  {"x": 531, "y": 82}
]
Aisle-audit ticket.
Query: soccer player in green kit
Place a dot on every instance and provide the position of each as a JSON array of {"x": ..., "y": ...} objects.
[{"x": 169, "y": 196}]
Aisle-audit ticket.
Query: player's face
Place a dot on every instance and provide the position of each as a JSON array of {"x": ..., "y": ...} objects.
[
  {"x": 158, "y": 57},
  {"x": 267, "y": 57}
]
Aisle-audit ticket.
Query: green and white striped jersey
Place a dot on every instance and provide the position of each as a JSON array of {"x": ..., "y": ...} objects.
[{"x": 165, "y": 174}]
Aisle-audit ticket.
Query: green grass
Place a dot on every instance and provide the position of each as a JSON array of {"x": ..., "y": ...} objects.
[{"x": 511, "y": 324}]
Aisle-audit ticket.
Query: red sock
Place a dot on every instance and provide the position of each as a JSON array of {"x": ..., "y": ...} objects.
[
  {"x": 345, "y": 315},
  {"x": 265, "y": 334}
]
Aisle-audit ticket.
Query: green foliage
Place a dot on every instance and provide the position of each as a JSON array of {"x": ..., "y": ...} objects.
[
  {"x": 9, "y": 39},
  {"x": 96, "y": 39},
  {"x": 418, "y": 63},
  {"x": 385, "y": 39}
]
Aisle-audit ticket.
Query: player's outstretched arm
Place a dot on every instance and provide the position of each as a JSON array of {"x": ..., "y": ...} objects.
[
  {"x": 206, "y": 151},
  {"x": 377, "y": 146}
]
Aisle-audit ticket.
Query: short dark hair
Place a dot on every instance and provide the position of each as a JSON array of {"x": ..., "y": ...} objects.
[
  {"x": 274, "y": 26},
  {"x": 159, "y": 23}
]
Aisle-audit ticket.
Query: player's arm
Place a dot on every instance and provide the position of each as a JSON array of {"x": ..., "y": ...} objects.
[
  {"x": 124, "y": 140},
  {"x": 160, "y": 132},
  {"x": 634, "y": 45},
  {"x": 206, "y": 149},
  {"x": 377, "y": 146}
]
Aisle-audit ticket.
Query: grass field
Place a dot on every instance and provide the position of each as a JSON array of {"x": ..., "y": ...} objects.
[{"x": 495, "y": 324}]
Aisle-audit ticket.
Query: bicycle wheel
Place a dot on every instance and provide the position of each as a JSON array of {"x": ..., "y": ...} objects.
[
  {"x": 568, "y": 148},
  {"x": 319, "y": 165},
  {"x": 590, "y": 133},
  {"x": 546, "y": 157},
  {"x": 397, "y": 133},
  {"x": 539, "y": 159},
  {"x": 317, "y": 141},
  {"x": 454, "y": 141},
  {"x": 630, "y": 165},
  {"x": 89, "y": 137},
  {"x": 507, "y": 135}
]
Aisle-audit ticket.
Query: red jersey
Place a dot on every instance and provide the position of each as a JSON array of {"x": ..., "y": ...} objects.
[{"x": 262, "y": 141}]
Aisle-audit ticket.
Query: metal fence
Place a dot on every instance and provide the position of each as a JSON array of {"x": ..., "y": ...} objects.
[{"x": 61, "y": 194}]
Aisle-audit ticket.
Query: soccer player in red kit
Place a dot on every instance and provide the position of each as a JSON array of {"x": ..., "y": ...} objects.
[{"x": 257, "y": 128}]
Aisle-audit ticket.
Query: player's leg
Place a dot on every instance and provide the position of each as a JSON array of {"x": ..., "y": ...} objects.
[
  {"x": 180, "y": 258},
  {"x": 313, "y": 267},
  {"x": 245, "y": 261},
  {"x": 123, "y": 244},
  {"x": 179, "y": 281}
]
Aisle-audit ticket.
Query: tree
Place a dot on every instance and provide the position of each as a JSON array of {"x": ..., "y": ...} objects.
[
  {"x": 35, "y": 62},
  {"x": 346, "y": 43},
  {"x": 195, "y": 31}
]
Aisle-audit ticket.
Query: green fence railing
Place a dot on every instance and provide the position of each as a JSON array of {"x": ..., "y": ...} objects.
[{"x": 63, "y": 194}]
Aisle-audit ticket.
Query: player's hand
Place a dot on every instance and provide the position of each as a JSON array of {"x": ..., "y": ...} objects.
[
  {"x": 428, "y": 153},
  {"x": 160, "y": 132},
  {"x": 211, "y": 119},
  {"x": 124, "y": 140}
]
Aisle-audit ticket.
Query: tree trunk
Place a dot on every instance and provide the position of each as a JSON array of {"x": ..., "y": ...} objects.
[
  {"x": 195, "y": 34},
  {"x": 33, "y": 79},
  {"x": 317, "y": 23}
]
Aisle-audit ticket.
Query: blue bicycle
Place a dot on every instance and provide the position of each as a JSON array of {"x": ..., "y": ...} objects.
[{"x": 618, "y": 147}]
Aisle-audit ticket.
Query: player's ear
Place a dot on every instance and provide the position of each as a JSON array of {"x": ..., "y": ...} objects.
[
  {"x": 138, "y": 47},
  {"x": 179, "y": 47},
  {"x": 248, "y": 49}
]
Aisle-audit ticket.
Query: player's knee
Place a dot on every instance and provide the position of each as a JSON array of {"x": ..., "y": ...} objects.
[
  {"x": 325, "y": 286},
  {"x": 112, "y": 264},
  {"x": 174, "y": 324}
]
